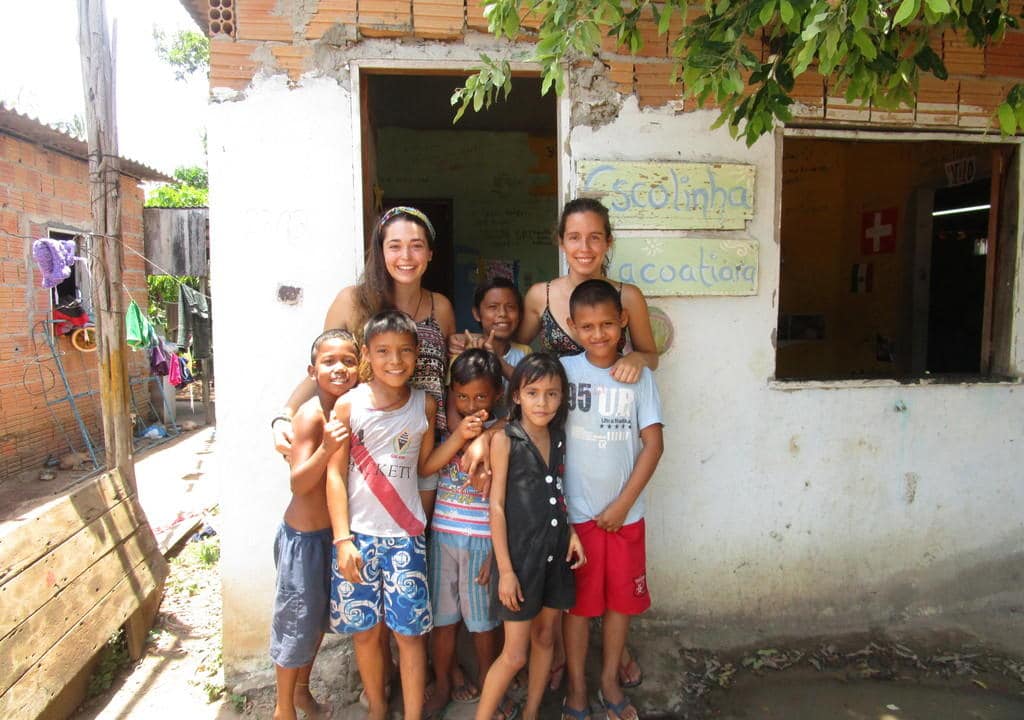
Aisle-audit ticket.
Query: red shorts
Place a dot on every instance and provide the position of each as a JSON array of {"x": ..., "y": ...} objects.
[{"x": 615, "y": 575}]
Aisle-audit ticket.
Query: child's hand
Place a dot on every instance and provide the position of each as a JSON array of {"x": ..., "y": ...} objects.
[
  {"x": 611, "y": 518},
  {"x": 509, "y": 591},
  {"x": 575, "y": 548},
  {"x": 484, "y": 576},
  {"x": 477, "y": 459},
  {"x": 456, "y": 344},
  {"x": 489, "y": 342},
  {"x": 350, "y": 561},
  {"x": 283, "y": 438},
  {"x": 471, "y": 426},
  {"x": 335, "y": 435},
  {"x": 627, "y": 368},
  {"x": 481, "y": 482}
]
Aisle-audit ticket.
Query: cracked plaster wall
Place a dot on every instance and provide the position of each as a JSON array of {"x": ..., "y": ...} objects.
[{"x": 773, "y": 507}]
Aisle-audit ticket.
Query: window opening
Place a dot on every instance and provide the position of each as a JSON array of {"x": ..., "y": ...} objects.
[{"x": 889, "y": 259}]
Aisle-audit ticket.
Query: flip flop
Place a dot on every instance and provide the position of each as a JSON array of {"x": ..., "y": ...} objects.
[
  {"x": 508, "y": 709},
  {"x": 571, "y": 713},
  {"x": 467, "y": 693},
  {"x": 624, "y": 674},
  {"x": 613, "y": 711}
]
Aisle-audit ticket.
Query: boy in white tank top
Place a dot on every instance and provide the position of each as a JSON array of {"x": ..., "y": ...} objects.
[{"x": 379, "y": 575}]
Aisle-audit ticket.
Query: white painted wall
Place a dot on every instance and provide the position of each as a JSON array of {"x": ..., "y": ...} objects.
[
  {"x": 805, "y": 508},
  {"x": 283, "y": 208},
  {"x": 798, "y": 508}
]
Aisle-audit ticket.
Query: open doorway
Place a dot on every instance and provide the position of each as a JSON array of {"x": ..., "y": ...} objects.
[{"x": 489, "y": 184}]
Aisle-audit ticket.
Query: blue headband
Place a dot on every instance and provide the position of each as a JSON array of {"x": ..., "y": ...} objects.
[{"x": 406, "y": 210}]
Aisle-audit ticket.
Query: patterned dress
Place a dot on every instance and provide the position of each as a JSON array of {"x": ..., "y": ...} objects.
[{"x": 432, "y": 365}]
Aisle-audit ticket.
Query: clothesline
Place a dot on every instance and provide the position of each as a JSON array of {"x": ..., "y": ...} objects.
[{"x": 163, "y": 271}]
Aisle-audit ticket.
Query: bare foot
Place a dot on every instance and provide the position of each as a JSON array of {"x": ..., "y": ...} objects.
[
  {"x": 283, "y": 713},
  {"x": 313, "y": 710},
  {"x": 436, "y": 701}
]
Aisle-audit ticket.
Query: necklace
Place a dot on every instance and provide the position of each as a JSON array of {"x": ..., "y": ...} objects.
[{"x": 419, "y": 301}]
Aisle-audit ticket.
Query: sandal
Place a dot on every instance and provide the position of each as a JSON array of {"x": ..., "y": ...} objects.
[
  {"x": 507, "y": 709},
  {"x": 571, "y": 713},
  {"x": 556, "y": 676},
  {"x": 632, "y": 679},
  {"x": 618, "y": 711},
  {"x": 467, "y": 693}
]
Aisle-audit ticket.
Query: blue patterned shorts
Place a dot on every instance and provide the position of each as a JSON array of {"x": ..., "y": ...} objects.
[{"x": 393, "y": 587}]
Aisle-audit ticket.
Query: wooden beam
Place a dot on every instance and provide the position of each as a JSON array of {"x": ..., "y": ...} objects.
[
  {"x": 32, "y": 588},
  {"x": 999, "y": 162},
  {"x": 39, "y": 531},
  {"x": 29, "y": 697},
  {"x": 34, "y": 637},
  {"x": 106, "y": 257}
]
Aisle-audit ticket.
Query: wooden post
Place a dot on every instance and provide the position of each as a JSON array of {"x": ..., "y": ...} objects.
[{"x": 106, "y": 257}]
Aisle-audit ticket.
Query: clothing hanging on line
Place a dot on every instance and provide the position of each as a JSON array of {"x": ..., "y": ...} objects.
[
  {"x": 194, "y": 321},
  {"x": 139, "y": 331},
  {"x": 54, "y": 259}
]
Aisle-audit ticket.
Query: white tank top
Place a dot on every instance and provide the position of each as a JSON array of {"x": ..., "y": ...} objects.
[{"x": 383, "y": 493}]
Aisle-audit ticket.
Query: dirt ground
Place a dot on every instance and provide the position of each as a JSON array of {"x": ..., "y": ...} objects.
[
  {"x": 858, "y": 677},
  {"x": 939, "y": 669}
]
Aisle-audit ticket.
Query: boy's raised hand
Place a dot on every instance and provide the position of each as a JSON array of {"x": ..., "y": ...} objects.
[
  {"x": 489, "y": 342},
  {"x": 350, "y": 561},
  {"x": 471, "y": 426},
  {"x": 283, "y": 438},
  {"x": 335, "y": 435},
  {"x": 509, "y": 591},
  {"x": 575, "y": 548}
]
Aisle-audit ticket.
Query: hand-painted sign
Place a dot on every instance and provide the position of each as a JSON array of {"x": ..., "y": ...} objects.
[
  {"x": 671, "y": 196},
  {"x": 878, "y": 231},
  {"x": 686, "y": 266}
]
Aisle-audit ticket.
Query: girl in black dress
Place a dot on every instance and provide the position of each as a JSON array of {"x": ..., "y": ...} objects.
[{"x": 535, "y": 548}]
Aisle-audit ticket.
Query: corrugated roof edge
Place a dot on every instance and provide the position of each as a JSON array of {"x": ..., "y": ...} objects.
[
  {"x": 197, "y": 11},
  {"x": 28, "y": 128}
]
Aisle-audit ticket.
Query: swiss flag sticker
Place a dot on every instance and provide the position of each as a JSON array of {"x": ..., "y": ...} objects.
[{"x": 878, "y": 231}]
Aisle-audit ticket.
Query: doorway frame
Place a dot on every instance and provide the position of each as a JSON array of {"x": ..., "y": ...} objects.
[{"x": 409, "y": 66}]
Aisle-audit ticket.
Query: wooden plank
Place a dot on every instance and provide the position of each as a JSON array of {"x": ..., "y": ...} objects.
[
  {"x": 24, "y": 541},
  {"x": 29, "y": 697},
  {"x": 669, "y": 195},
  {"x": 139, "y": 623},
  {"x": 999, "y": 157},
  {"x": 33, "y": 638},
  {"x": 24, "y": 593},
  {"x": 686, "y": 265}
]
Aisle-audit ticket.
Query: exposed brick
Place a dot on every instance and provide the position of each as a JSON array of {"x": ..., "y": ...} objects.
[
  {"x": 231, "y": 63},
  {"x": 654, "y": 45},
  {"x": 978, "y": 102},
  {"x": 1006, "y": 59},
  {"x": 475, "y": 19},
  {"x": 809, "y": 94},
  {"x": 292, "y": 58},
  {"x": 438, "y": 19},
  {"x": 328, "y": 13},
  {"x": 9, "y": 222},
  {"x": 621, "y": 73},
  {"x": 937, "y": 101},
  {"x": 837, "y": 108},
  {"x": 653, "y": 86},
  {"x": 385, "y": 18},
  {"x": 256, "y": 20},
  {"x": 960, "y": 58}
]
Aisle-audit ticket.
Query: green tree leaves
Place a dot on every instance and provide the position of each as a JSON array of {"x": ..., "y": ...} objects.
[
  {"x": 872, "y": 51},
  {"x": 190, "y": 189},
  {"x": 188, "y": 52}
]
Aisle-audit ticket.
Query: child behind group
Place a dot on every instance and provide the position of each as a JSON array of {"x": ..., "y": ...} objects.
[
  {"x": 533, "y": 541},
  {"x": 380, "y": 569},
  {"x": 302, "y": 549},
  {"x": 461, "y": 584},
  {"x": 498, "y": 307},
  {"x": 614, "y": 442}
]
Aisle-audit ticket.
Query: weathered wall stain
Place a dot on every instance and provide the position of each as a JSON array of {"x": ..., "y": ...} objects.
[{"x": 910, "y": 481}]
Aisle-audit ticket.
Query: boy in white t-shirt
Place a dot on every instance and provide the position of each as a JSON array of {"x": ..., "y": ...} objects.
[{"x": 613, "y": 444}]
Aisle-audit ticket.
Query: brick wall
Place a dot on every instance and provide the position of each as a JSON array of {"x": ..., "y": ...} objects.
[
  {"x": 42, "y": 189},
  {"x": 979, "y": 77}
]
